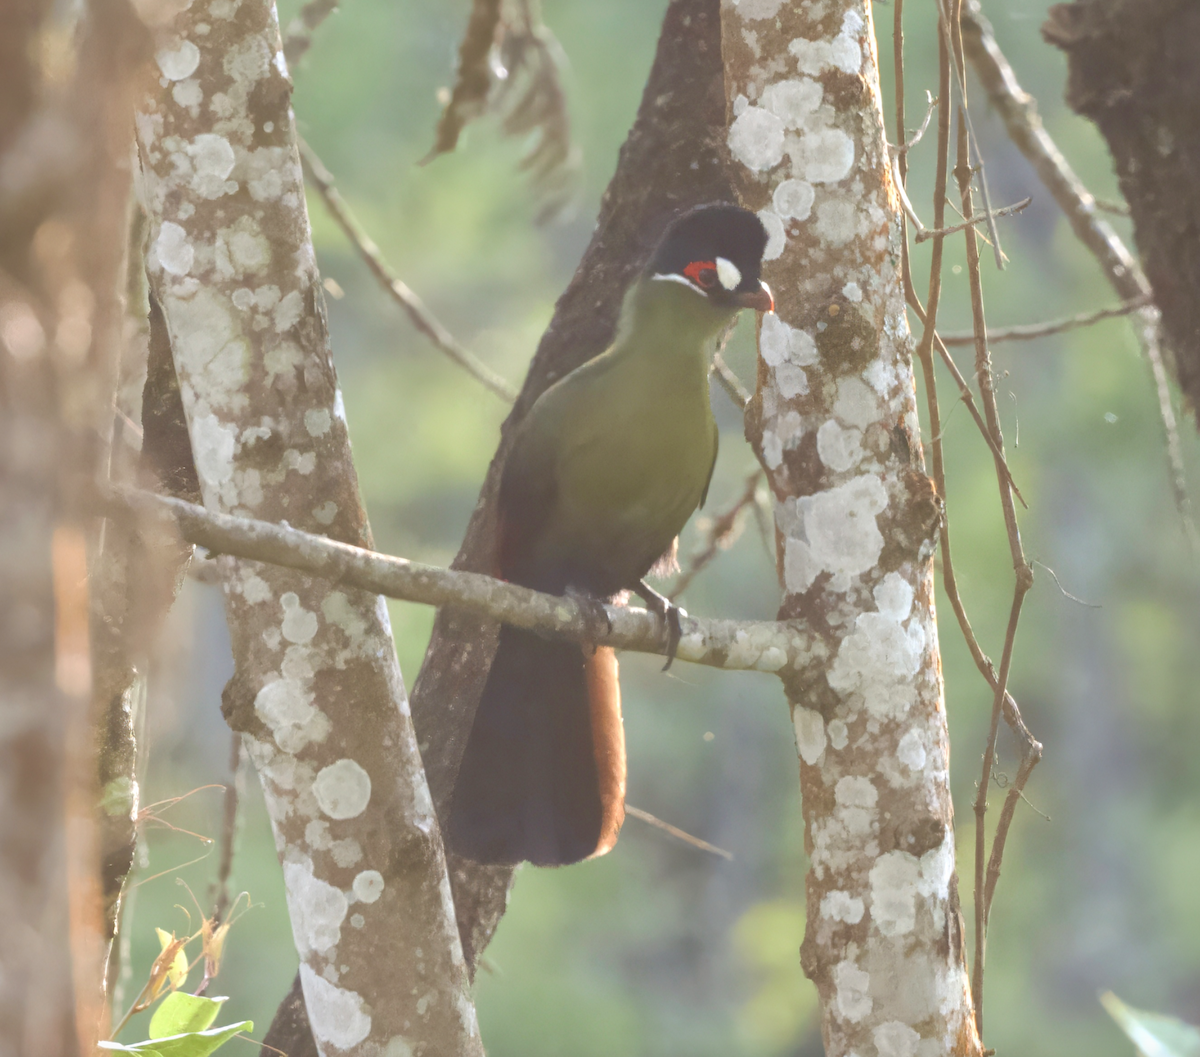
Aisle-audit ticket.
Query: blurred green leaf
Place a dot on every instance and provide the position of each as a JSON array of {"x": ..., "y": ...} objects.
[
  {"x": 1154, "y": 1034},
  {"x": 188, "y": 1044},
  {"x": 180, "y": 1012}
]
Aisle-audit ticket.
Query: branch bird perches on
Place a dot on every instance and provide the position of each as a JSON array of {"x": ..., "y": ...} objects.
[{"x": 738, "y": 645}]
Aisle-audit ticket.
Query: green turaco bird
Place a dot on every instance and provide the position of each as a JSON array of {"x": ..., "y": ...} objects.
[{"x": 604, "y": 471}]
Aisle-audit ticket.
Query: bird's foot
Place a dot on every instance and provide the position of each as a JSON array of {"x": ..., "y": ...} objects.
[
  {"x": 670, "y": 612},
  {"x": 595, "y": 614}
]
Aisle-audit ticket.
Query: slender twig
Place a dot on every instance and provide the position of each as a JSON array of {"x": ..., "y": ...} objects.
[
  {"x": 950, "y": 22},
  {"x": 1022, "y": 569},
  {"x": 1015, "y": 792},
  {"x": 917, "y": 136},
  {"x": 736, "y": 645},
  {"x": 928, "y": 315},
  {"x": 1012, "y": 713},
  {"x": 1019, "y": 112},
  {"x": 722, "y": 532},
  {"x": 969, "y": 399},
  {"x": 907, "y": 144},
  {"x": 298, "y": 38},
  {"x": 924, "y": 351},
  {"x": 1029, "y": 331},
  {"x": 730, "y": 382},
  {"x": 420, "y": 316},
  {"x": 984, "y": 892},
  {"x": 675, "y": 831},
  {"x": 1007, "y": 211},
  {"x": 898, "y": 75},
  {"x": 1147, "y": 329},
  {"x": 1120, "y": 209},
  {"x": 1032, "y": 749},
  {"x": 229, "y": 819},
  {"x": 899, "y": 167}
]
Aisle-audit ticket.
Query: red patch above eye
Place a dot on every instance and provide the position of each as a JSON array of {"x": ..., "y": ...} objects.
[{"x": 702, "y": 273}]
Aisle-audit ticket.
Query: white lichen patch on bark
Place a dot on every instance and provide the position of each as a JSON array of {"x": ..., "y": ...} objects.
[
  {"x": 342, "y": 789},
  {"x": 834, "y": 420},
  {"x": 317, "y": 692}
]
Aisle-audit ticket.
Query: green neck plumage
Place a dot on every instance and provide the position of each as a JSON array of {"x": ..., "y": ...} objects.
[{"x": 671, "y": 316}]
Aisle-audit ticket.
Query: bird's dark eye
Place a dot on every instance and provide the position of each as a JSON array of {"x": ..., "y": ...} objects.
[{"x": 702, "y": 273}]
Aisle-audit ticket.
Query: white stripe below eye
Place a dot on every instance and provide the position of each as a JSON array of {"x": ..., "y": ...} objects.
[
  {"x": 682, "y": 280},
  {"x": 728, "y": 273}
]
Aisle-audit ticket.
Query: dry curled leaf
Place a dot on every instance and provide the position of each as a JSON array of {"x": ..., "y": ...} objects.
[{"x": 510, "y": 65}]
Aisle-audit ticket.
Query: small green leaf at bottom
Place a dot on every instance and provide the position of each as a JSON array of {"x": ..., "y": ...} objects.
[
  {"x": 1154, "y": 1034},
  {"x": 180, "y": 1013},
  {"x": 187, "y": 1044}
]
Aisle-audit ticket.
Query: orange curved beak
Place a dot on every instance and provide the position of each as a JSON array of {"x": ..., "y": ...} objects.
[{"x": 760, "y": 300}]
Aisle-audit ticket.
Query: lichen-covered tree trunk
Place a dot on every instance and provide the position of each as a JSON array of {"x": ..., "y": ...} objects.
[
  {"x": 317, "y": 692},
  {"x": 834, "y": 420}
]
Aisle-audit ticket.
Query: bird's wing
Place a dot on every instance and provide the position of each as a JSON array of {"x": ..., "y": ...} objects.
[
  {"x": 528, "y": 491},
  {"x": 712, "y": 466}
]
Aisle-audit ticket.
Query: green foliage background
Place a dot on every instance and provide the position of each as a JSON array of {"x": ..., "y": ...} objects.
[{"x": 658, "y": 949}]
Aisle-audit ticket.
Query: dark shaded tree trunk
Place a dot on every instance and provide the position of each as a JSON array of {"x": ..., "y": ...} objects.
[
  {"x": 671, "y": 160},
  {"x": 1134, "y": 70}
]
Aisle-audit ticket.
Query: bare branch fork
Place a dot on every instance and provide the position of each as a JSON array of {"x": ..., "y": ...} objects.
[
  {"x": 1007, "y": 211},
  {"x": 741, "y": 645},
  {"x": 924, "y": 234}
]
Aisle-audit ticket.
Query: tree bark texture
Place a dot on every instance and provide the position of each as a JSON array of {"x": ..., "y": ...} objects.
[
  {"x": 671, "y": 160},
  {"x": 136, "y": 573},
  {"x": 834, "y": 420},
  {"x": 317, "y": 692},
  {"x": 64, "y": 193},
  {"x": 1132, "y": 69}
]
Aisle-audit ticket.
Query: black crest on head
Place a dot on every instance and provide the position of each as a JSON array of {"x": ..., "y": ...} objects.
[{"x": 710, "y": 231}]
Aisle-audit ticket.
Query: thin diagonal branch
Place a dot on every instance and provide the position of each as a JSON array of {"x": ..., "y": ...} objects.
[
  {"x": 730, "y": 382},
  {"x": 1029, "y": 331},
  {"x": 722, "y": 532},
  {"x": 1018, "y": 110},
  {"x": 298, "y": 38},
  {"x": 1119, "y": 209},
  {"x": 229, "y": 827},
  {"x": 1007, "y": 211},
  {"x": 677, "y": 833},
  {"x": 421, "y": 317},
  {"x": 759, "y": 645}
]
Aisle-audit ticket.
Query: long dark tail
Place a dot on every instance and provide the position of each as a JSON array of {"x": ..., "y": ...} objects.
[{"x": 543, "y": 775}]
